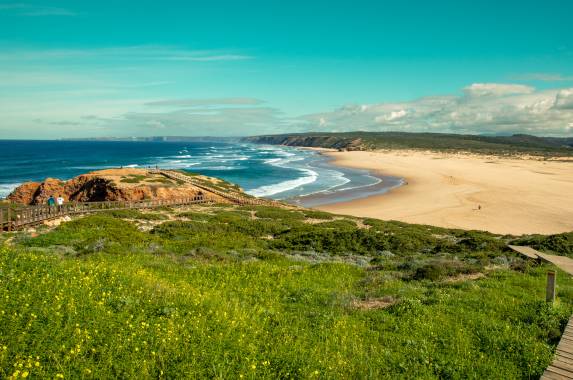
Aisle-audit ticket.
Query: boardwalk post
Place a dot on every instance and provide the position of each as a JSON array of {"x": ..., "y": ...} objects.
[
  {"x": 9, "y": 218},
  {"x": 550, "y": 291},
  {"x": 1, "y": 220}
]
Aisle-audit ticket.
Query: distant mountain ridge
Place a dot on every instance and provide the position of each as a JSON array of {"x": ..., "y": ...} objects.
[
  {"x": 518, "y": 143},
  {"x": 154, "y": 138}
]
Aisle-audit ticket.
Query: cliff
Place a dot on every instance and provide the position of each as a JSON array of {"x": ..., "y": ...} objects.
[
  {"x": 315, "y": 141},
  {"x": 491, "y": 145},
  {"x": 111, "y": 185}
]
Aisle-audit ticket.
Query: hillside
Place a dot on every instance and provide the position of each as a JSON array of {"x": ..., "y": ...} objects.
[
  {"x": 504, "y": 145},
  {"x": 261, "y": 292}
]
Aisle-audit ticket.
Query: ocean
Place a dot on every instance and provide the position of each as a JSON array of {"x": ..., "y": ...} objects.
[{"x": 277, "y": 172}]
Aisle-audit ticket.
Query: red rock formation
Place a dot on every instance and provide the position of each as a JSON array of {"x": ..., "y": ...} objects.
[
  {"x": 105, "y": 186},
  {"x": 24, "y": 193}
]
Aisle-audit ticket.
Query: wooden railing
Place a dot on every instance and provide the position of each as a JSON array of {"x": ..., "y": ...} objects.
[
  {"x": 230, "y": 195},
  {"x": 13, "y": 218}
]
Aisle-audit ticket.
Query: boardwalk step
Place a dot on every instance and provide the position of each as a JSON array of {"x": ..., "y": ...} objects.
[
  {"x": 550, "y": 375},
  {"x": 564, "y": 365},
  {"x": 566, "y": 374}
]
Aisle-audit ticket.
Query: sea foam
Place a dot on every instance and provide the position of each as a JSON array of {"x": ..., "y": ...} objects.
[{"x": 268, "y": 190}]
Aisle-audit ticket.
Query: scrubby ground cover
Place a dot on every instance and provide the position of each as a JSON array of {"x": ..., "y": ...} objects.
[
  {"x": 517, "y": 144},
  {"x": 260, "y": 292},
  {"x": 559, "y": 244}
]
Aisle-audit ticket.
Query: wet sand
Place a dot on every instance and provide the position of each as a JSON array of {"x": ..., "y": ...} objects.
[{"x": 516, "y": 195}]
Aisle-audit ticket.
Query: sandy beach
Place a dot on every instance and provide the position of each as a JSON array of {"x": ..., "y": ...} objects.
[{"x": 516, "y": 195}]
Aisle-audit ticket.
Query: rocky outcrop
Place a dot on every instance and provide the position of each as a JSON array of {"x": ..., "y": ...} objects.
[
  {"x": 314, "y": 141},
  {"x": 25, "y": 193},
  {"x": 108, "y": 185}
]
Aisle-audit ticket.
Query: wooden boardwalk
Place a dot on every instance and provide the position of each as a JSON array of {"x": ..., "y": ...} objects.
[
  {"x": 561, "y": 368},
  {"x": 562, "y": 262},
  {"x": 14, "y": 217},
  {"x": 562, "y": 365}
]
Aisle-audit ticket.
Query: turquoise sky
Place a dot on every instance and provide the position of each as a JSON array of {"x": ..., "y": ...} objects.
[{"x": 71, "y": 68}]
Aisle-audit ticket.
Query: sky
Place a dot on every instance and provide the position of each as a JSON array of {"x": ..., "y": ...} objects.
[{"x": 236, "y": 68}]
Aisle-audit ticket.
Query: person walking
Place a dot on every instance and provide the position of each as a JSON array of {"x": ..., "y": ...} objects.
[
  {"x": 60, "y": 201},
  {"x": 51, "y": 201}
]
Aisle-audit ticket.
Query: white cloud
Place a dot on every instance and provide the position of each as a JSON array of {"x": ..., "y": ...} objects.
[
  {"x": 544, "y": 77},
  {"x": 394, "y": 115},
  {"x": 483, "y": 108},
  {"x": 497, "y": 89},
  {"x": 564, "y": 99}
]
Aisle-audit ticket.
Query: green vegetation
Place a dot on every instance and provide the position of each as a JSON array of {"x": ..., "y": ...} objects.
[
  {"x": 214, "y": 183},
  {"x": 261, "y": 292},
  {"x": 136, "y": 214},
  {"x": 495, "y": 145},
  {"x": 560, "y": 244},
  {"x": 133, "y": 178},
  {"x": 313, "y": 214},
  {"x": 165, "y": 181}
]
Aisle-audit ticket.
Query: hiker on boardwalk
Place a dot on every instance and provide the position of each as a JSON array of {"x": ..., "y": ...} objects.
[
  {"x": 60, "y": 201},
  {"x": 51, "y": 201}
]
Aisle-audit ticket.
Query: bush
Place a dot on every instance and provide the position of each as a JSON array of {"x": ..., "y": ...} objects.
[
  {"x": 561, "y": 244},
  {"x": 277, "y": 213},
  {"x": 134, "y": 214},
  {"x": 93, "y": 234},
  {"x": 340, "y": 224},
  {"x": 313, "y": 214},
  {"x": 439, "y": 269}
]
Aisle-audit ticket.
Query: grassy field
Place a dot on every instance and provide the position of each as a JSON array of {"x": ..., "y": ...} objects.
[{"x": 259, "y": 292}]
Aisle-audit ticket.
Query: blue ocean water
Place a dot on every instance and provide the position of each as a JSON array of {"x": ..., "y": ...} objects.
[{"x": 266, "y": 171}]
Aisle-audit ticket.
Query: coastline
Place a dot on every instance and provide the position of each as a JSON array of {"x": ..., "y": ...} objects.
[
  {"x": 382, "y": 184},
  {"x": 466, "y": 191}
]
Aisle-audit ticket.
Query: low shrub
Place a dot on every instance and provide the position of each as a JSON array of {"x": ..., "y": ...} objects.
[
  {"x": 314, "y": 214},
  {"x": 561, "y": 244}
]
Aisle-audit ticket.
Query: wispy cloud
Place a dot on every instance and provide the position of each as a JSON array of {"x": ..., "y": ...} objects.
[
  {"x": 544, "y": 77},
  {"x": 210, "y": 58},
  {"x": 206, "y": 102},
  {"x": 137, "y": 52},
  {"x": 225, "y": 121},
  {"x": 31, "y": 10}
]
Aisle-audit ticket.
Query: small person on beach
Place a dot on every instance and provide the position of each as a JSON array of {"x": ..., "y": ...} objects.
[{"x": 479, "y": 207}]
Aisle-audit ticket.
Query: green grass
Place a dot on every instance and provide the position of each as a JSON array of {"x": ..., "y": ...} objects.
[
  {"x": 314, "y": 214},
  {"x": 225, "y": 295},
  {"x": 135, "y": 214},
  {"x": 133, "y": 178},
  {"x": 163, "y": 180},
  {"x": 218, "y": 184}
]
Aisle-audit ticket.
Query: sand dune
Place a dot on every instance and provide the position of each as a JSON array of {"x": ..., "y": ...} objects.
[{"x": 517, "y": 196}]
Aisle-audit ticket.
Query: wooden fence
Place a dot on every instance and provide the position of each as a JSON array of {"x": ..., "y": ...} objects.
[
  {"x": 15, "y": 217},
  {"x": 232, "y": 196}
]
